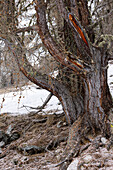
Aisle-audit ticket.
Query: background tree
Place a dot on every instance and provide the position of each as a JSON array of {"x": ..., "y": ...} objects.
[
  {"x": 10, "y": 74},
  {"x": 67, "y": 43}
]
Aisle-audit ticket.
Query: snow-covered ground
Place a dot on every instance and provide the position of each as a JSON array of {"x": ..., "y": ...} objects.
[
  {"x": 31, "y": 96},
  {"x": 110, "y": 78}
]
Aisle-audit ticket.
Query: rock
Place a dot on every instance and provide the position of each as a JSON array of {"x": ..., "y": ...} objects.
[
  {"x": 0, "y": 151},
  {"x": 14, "y": 136},
  {"x": 64, "y": 124},
  {"x": 9, "y": 130},
  {"x": 15, "y": 161},
  {"x": 8, "y": 137},
  {"x": 2, "y": 134},
  {"x": 87, "y": 158},
  {"x": 2, "y": 144},
  {"x": 104, "y": 140},
  {"x": 4, "y": 137},
  {"x": 73, "y": 165},
  {"x": 30, "y": 150},
  {"x": 59, "y": 124},
  {"x": 58, "y": 158}
]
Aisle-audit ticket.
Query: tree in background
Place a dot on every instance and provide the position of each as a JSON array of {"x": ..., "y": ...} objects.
[
  {"x": 9, "y": 72},
  {"x": 61, "y": 50}
]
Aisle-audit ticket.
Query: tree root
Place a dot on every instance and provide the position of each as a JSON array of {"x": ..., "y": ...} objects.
[
  {"x": 55, "y": 142},
  {"x": 74, "y": 153},
  {"x": 30, "y": 150},
  {"x": 76, "y": 135}
]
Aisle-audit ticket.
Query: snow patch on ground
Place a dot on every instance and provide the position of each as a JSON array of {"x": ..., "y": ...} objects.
[
  {"x": 29, "y": 96},
  {"x": 110, "y": 78},
  {"x": 13, "y": 102}
]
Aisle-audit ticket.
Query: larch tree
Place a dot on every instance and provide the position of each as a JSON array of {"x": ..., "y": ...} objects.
[{"x": 67, "y": 34}]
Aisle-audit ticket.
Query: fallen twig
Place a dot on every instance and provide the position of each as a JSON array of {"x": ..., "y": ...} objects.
[
  {"x": 40, "y": 120},
  {"x": 43, "y": 105}
]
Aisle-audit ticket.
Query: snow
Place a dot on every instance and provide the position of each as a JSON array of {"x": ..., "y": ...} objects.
[
  {"x": 28, "y": 96},
  {"x": 110, "y": 78},
  {"x": 13, "y": 102}
]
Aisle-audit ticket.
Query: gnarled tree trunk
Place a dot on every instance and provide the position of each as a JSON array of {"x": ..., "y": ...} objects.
[
  {"x": 82, "y": 89},
  {"x": 92, "y": 69},
  {"x": 94, "y": 104}
]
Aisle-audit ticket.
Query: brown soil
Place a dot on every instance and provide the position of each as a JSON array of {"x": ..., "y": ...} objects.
[{"x": 49, "y": 132}]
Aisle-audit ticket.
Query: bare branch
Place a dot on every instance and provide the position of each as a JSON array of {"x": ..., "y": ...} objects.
[
  {"x": 87, "y": 50},
  {"x": 43, "y": 105},
  {"x": 30, "y": 28},
  {"x": 100, "y": 19},
  {"x": 102, "y": 5},
  {"x": 27, "y": 69},
  {"x": 55, "y": 50}
]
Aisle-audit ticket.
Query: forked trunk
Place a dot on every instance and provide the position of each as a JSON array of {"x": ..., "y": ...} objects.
[{"x": 92, "y": 107}]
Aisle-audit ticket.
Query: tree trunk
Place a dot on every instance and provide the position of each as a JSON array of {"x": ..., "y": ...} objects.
[
  {"x": 88, "y": 111},
  {"x": 81, "y": 85},
  {"x": 82, "y": 88}
]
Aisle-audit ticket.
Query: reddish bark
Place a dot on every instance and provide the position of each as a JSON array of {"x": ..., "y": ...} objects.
[
  {"x": 90, "y": 70},
  {"x": 88, "y": 107}
]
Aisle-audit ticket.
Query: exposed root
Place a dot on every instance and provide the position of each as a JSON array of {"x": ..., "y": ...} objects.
[
  {"x": 60, "y": 163},
  {"x": 79, "y": 141},
  {"x": 73, "y": 153},
  {"x": 84, "y": 148},
  {"x": 76, "y": 135},
  {"x": 55, "y": 142}
]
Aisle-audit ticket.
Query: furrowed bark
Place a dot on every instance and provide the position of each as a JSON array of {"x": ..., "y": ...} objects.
[
  {"x": 85, "y": 96},
  {"x": 84, "y": 50},
  {"x": 92, "y": 76},
  {"x": 54, "y": 49}
]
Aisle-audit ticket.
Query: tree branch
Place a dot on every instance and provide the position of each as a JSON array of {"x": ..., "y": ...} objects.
[
  {"x": 76, "y": 25},
  {"x": 84, "y": 50},
  {"x": 54, "y": 49},
  {"x": 24, "y": 29},
  {"x": 101, "y": 5},
  {"x": 27, "y": 69},
  {"x": 39, "y": 108},
  {"x": 100, "y": 19}
]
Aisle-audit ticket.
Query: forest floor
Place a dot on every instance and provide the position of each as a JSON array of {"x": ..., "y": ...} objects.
[{"x": 41, "y": 142}]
